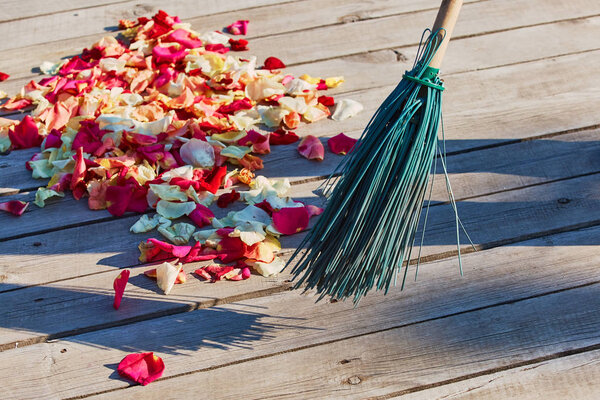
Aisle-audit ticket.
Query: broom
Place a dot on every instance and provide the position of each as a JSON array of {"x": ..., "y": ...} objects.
[{"x": 376, "y": 195}]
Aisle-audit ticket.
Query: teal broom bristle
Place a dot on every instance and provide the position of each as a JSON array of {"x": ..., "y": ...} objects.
[{"x": 376, "y": 194}]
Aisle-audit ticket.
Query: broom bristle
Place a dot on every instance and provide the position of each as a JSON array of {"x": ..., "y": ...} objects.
[{"x": 367, "y": 229}]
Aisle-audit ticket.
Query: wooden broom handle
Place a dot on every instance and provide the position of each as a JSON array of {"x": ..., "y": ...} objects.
[{"x": 446, "y": 18}]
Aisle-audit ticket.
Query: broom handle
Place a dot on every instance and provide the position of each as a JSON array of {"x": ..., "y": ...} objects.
[{"x": 446, "y": 18}]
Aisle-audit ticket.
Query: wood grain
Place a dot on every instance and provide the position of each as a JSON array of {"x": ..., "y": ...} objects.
[
  {"x": 366, "y": 35},
  {"x": 499, "y": 219},
  {"x": 571, "y": 377},
  {"x": 425, "y": 315}
]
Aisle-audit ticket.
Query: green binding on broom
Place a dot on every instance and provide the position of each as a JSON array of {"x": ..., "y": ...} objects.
[{"x": 376, "y": 194}]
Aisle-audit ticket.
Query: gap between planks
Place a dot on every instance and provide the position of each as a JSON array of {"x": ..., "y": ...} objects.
[
  {"x": 497, "y": 279},
  {"x": 522, "y": 221}
]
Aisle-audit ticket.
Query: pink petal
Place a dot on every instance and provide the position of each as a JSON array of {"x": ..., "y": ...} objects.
[
  {"x": 311, "y": 147},
  {"x": 183, "y": 37},
  {"x": 313, "y": 210},
  {"x": 291, "y": 220},
  {"x": 341, "y": 144},
  {"x": 168, "y": 55},
  {"x": 238, "y": 27},
  {"x": 119, "y": 285},
  {"x": 142, "y": 368},
  {"x": 14, "y": 207}
]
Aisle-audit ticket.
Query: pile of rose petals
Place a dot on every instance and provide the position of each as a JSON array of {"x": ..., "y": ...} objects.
[{"x": 153, "y": 122}]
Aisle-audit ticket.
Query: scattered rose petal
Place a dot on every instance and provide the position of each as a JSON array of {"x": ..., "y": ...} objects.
[
  {"x": 345, "y": 109},
  {"x": 15, "y": 207},
  {"x": 4, "y": 76},
  {"x": 25, "y": 134},
  {"x": 227, "y": 198},
  {"x": 272, "y": 63},
  {"x": 291, "y": 220},
  {"x": 181, "y": 277},
  {"x": 238, "y": 45},
  {"x": 238, "y": 27},
  {"x": 202, "y": 216},
  {"x": 142, "y": 368},
  {"x": 282, "y": 137},
  {"x": 341, "y": 144},
  {"x": 166, "y": 275},
  {"x": 311, "y": 147},
  {"x": 119, "y": 287}
]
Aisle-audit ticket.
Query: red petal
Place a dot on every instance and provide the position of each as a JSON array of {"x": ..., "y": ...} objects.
[
  {"x": 214, "y": 180},
  {"x": 142, "y": 368},
  {"x": 326, "y": 100},
  {"x": 25, "y": 134},
  {"x": 213, "y": 272},
  {"x": 216, "y": 48},
  {"x": 274, "y": 63},
  {"x": 341, "y": 144},
  {"x": 14, "y": 207},
  {"x": 282, "y": 137},
  {"x": 227, "y": 198},
  {"x": 78, "y": 178},
  {"x": 4, "y": 76},
  {"x": 238, "y": 45},
  {"x": 243, "y": 104},
  {"x": 202, "y": 215},
  {"x": 119, "y": 286},
  {"x": 311, "y": 148},
  {"x": 291, "y": 220},
  {"x": 231, "y": 249}
]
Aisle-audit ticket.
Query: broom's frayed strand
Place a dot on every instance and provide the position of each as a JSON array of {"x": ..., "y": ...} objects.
[{"x": 367, "y": 229}]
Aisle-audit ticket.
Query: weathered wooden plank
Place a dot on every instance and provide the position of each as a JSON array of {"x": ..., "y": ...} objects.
[
  {"x": 406, "y": 358},
  {"x": 367, "y": 35},
  {"x": 471, "y": 117},
  {"x": 472, "y": 174},
  {"x": 384, "y": 67},
  {"x": 287, "y": 322},
  {"x": 265, "y": 16},
  {"x": 64, "y": 20},
  {"x": 14, "y": 9},
  {"x": 572, "y": 377},
  {"x": 497, "y": 219}
]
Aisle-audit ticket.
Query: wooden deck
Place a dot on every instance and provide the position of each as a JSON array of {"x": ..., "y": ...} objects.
[{"x": 522, "y": 124}]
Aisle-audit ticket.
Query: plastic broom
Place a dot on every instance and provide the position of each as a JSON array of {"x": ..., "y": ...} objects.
[{"x": 376, "y": 194}]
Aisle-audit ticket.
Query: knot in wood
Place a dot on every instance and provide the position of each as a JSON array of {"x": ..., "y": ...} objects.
[
  {"x": 347, "y": 19},
  {"x": 564, "y": 200},
  {"x": 354, "y": 380}
]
